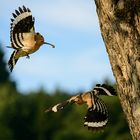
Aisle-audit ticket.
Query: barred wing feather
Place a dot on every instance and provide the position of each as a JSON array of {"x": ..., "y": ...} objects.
[
  {"x": 97, "y": 115},
  {"x": 22, "y": 22}
]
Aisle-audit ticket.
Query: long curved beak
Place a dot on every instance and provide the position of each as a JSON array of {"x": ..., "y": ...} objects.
[{"x": 49, "y": 44}]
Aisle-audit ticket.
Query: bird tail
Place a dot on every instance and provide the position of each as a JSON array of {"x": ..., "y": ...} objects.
[
  {"x": 97, "y": 115},
  {"x": 12, "y": 61}
]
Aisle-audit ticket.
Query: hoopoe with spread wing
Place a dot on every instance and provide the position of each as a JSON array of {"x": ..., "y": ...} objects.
[
  {"x": 97, "y": 114},
  {"x": 24, "y": 39}
]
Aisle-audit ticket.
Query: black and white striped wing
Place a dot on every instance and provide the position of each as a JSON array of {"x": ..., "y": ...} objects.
[
  {"x": 22, "y": 22},
  {"x": 104, "y": 90},
  {"x": 97, "y": 115}
]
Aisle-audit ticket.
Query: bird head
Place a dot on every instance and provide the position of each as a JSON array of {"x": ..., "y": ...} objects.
[{"x": 40, "y": 40}]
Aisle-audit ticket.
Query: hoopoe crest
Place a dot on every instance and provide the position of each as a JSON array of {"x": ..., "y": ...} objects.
[
  {"x": 24, "y": 39},
  {"x": 97, "y": 113}
]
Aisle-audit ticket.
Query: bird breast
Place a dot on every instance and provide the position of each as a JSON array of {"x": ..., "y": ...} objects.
[{"x": 29, "y": 43}]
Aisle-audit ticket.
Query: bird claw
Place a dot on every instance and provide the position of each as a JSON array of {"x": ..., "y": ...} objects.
[{"x": 28, "y": 57}]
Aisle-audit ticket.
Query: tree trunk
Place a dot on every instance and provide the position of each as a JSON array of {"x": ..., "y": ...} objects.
[{"x": 120, "y": 28}]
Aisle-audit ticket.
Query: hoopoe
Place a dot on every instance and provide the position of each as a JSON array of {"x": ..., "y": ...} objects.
[
  {"x": 97, "y": 113},
  {"x": 24, "y": 39}
]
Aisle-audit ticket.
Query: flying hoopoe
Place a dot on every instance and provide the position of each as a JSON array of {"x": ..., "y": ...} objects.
[
  {"x": 97, "y": 114},
  {"x": 24, "y": 39}
]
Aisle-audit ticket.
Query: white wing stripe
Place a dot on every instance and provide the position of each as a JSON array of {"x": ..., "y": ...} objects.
[
  {"x": 105, "y": 90},
  {"x": 20, "y": 17},
  {"x": 14, "y": 44},
  {"x": 18, "y": 37},
  {"x": 96, "y": 124}
]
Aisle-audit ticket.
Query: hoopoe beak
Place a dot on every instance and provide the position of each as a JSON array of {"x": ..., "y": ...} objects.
[{"x": 49, "y": 44}]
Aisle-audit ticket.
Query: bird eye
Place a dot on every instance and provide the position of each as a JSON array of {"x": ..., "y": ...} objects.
[{"x": 37, "y": 33}]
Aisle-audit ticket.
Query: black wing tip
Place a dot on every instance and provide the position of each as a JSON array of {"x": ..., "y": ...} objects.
[
  {"x": 17, "y": 12},
  {"x": 14, "y": 15},
  {"x": 21, "y": 22},
  {"x": 20, "y": 10},
  {"x": 111, "y": 89},
  {"x": 12, "y": 19},
  {"x": 23, "y": 9},
  {"x": 28, "y": 10}
]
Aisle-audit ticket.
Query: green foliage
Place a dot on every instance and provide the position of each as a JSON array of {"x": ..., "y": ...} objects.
[
  {"x": 4, "y": 75},
  {"x": 22, "y": 116}
]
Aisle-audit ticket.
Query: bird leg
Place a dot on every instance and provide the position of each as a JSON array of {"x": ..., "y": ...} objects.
[{"x": 27, "y": 56}]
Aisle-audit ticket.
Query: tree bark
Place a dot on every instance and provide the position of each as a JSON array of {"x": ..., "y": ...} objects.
[{"x": 120, "y": 28}]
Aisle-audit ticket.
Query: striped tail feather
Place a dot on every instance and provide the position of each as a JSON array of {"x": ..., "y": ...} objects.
[
  {"x": 97, "y": 116},
  {"x": 12, "y": 61}
]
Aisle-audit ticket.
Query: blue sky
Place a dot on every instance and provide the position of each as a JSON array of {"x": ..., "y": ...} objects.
[{"x": 79, "y": 59}]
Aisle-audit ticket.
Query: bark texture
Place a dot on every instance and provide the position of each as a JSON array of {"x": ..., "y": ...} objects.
[{"x": 120, "y": 28}]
